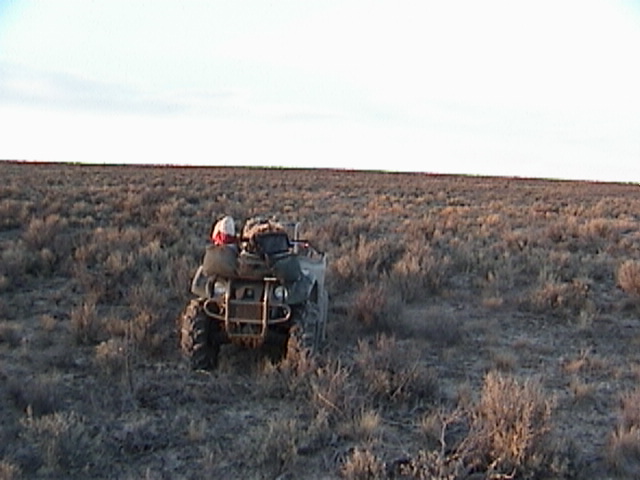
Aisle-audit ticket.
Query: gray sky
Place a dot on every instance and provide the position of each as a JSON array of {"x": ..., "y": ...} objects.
[{"x": 543, "y": 89}]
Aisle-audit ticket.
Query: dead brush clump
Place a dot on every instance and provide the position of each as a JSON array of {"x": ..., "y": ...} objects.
[
  {"x": 279, "y": 447},
  {"x": 596, "y": 229},
  {"x": 10, "y": 333},
  {"x": 112, "y": 356},
  {"x": 9, "y": 470},
  {"x": 290, "y": 376},
  {"x": 509, "y": 428},
  {"x": 444, "y": 330},
  {"x": 369, "y": 261},
  {"x": 628, "y": 278},
  {"x": 65, "y": 443},
  {"x": 553, "y": 295},
  {"x": 391, "y": 373},
  {"x": 14, "y": 261},
  {"x": 35, "y": 396},
  {"x": 335, "y": 396},
  {"x": 623, "y": 451},
  {"x": 41, "y": 232},
  {"x": 150, "y": 316},
  {"x": 420, "y": 272},
  {"x": 376, "y": 308},
  {"x": 86, "y": 325},
  {"x": 362, "y": 464},
  {"x": 335, "y": 231},
  {"x": 13, "y": 213},
  {"x": 48, "y": 242}
]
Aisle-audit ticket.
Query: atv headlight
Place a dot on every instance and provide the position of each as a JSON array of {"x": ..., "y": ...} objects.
[
  {"x": 280, "y": 293},
  {"x": 219, "y": 288}
]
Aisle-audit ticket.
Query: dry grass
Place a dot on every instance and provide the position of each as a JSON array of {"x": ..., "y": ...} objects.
[
  {"x": 362, "y": 465},
  {"x": 9, "y": 471},
  {"x": 433, "y": 281},
  {"x": 376, "y": 308},
  {"x": 509, "y": 427},
  {"x": 35, "y": 396},
  {"x": 628, "y": 276},
  {"x": 624, "y": 441}
]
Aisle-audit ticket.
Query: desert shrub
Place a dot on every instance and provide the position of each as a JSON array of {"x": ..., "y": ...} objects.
[
  {"x": 377, "y": 308},
  {"x": 335, "y": 231},
  {"x": 41, "y": 232},
  {"x": 434, "y": 465},
  {"x": 597, "y": 229},
  {"x": 14, "y": 262},
  {"x": 391, "y": 373},
  {"x": 444, "y": 330},
  {"x": 150, "y": 314},
  {"x": 279, "y": 448},
  {"x": 9, "y": 333},
  {"x": 12, "y": 213},
  {"x": 623, "y": 451},
  {"x": 628, "y": 277},
  {"x": 367, "y": 425},
  {"x": 112, "y": 355},
  {"x": 369, "y": 261},
  {"x": 289, "y": 376},
  {"x": 64, "y": 441},
  {"x": 86, "y": 325},
  {"x": 553, "y": 295},
  {"x": 361, "y": 464},
  {"x": 138, "y": 434},
  {"x": 147, "y": 334},
  {"x": 334, "y": 395},
  {"x": 509, "y": 427},
  {"x": 420, "y": 272},
  {"x": 562, "y": 230},
  {"x": 9, "y": 470},
  {"x": 34, "y": 395}
]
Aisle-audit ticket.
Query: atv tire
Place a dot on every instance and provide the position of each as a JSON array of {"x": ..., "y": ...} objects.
[
  {"x": 197, "y": 338},
  {"x": 306, "y": 333}
]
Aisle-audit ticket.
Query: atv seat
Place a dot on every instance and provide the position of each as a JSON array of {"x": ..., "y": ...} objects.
[{"x": 271, "y": 245}]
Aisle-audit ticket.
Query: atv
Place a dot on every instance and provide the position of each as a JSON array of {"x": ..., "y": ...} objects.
[{"x": 265, "y": 290}]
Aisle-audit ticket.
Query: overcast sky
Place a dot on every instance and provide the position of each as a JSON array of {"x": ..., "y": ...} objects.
[{"x": 518, "y": 88}]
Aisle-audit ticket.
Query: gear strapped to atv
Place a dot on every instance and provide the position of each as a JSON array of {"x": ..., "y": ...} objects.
[{"x": 267, "y": 289}]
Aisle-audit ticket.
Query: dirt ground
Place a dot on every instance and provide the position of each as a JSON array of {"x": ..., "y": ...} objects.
[{"x": 118, "y": 404}]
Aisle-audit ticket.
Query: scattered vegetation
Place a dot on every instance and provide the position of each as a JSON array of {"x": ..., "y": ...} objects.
[{"x": 478, "y": 328}]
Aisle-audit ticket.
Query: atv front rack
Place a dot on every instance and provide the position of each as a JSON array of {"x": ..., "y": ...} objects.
[{"x": 247, "y": 311}]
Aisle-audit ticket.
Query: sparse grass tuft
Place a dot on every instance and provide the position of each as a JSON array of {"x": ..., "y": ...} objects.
[
  {"x": 623, "y": 453},
  {"x": 434, "y": 465},
  {"x": 112, "y": 355},
  {"x": 420, "y": 273},
  {"x": 10, "y": 334},
  {"x": 554, "y": 295},
  {"x": 85, "y": 323},
  {"x": 361, "y": 464},
  {"x": 444, "y": 330},
  {"x": 9, "y": 470},
  {"x": 334, "y": 395},
  {"x": 65, "y": 442},
  {"x": 628, "y": 277},
  {"x": 279, "y": 448},
  {"x": 391, "y": 373},
  {"x": 36, "y": 397},
  {"x": 509, "y": 426},
  {"x": 376, "y": 308}
]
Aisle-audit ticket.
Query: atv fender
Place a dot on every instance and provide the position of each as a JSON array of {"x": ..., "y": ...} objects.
[{"x": 300, "y": 290}]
